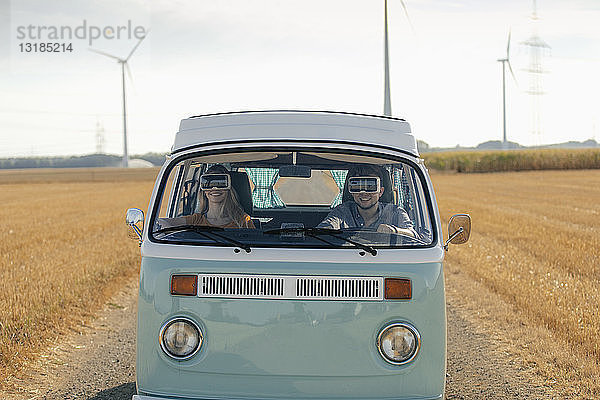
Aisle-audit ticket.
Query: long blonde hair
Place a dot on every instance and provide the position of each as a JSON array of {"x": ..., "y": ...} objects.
[{"x": 232, "y": 207}]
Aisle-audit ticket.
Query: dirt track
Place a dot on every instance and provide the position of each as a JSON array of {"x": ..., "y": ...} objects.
[{"x": 99, "y": 362}]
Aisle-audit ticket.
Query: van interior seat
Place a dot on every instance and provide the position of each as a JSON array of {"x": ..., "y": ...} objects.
[{"x": 241, "y": 184}]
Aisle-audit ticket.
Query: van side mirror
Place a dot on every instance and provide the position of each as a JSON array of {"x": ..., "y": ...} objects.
[
  {"x": 135, "y": 220},
  {"x": 459, "y": 229}
]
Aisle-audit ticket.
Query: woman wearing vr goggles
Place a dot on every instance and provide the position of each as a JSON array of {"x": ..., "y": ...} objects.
[
  {"x": 365, "y": 211},
  {"x": 219, "y": 204}
]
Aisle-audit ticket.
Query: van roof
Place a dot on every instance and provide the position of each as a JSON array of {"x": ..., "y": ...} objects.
[{"x": 328, "y": 126}]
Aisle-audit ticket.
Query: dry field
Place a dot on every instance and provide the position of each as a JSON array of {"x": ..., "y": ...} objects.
[
  {"x": 49, "y": 175},
  {"x": 535, "y": 243},
  {"x": 63, "y": 250}
]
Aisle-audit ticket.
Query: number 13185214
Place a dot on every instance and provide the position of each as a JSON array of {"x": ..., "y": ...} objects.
[{"x": 45, "y": 47}]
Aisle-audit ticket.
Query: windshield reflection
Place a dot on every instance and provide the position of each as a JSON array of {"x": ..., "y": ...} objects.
[{"x": 293, "y": 199}]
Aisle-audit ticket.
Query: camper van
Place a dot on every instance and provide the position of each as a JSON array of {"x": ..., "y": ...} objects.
[{"x": 292, "y": 255}]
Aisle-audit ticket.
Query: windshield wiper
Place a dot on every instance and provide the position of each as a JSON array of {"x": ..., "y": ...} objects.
[
  {"x": 195, "y": 228},
  {"x": 404, "y": 235},
  {"x": 315, "y": 232},
  {"x": 204, "y": 231}
]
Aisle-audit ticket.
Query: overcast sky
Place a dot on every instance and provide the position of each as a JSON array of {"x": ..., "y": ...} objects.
[{"x": 211, "y": 56}]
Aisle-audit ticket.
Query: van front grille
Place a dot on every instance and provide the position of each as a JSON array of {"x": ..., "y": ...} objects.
[
  {"x": 240, "y": 286},
  {"x": 290, "y": 287},
  {"x": 339, "y": 288}
]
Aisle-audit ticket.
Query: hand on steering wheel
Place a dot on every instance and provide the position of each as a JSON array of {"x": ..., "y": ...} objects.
[{"x": 385, "y": 228}]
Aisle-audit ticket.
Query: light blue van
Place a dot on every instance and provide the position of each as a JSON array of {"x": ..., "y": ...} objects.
[{"x": 315, "y": 294}]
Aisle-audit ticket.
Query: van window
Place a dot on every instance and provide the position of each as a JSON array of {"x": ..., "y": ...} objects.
[{"x": 293, "y": 199}]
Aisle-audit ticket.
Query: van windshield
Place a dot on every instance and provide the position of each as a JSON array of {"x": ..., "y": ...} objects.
[{"x": 316, "y": 199}]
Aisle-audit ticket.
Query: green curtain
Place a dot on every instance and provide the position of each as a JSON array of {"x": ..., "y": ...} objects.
[
  {"x": 397, "y": 183},
  {"x": 339, "y": 176},
  {"x": 264, "y": 195},
  {"x": 407, "y": 198}
]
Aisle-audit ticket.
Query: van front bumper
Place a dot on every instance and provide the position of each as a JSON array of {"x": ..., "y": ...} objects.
[{"x": 143, "y": 397}]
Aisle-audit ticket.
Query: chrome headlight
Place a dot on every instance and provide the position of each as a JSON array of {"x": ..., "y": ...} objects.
[
  {"x": 180, "y": 338},
  {"x": 398, "y": 343}
]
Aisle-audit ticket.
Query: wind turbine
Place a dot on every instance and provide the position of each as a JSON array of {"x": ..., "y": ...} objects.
[
  {"x": 505, "y": 61},
  {"x": 124, "y": 65},
  {"x": 387, "y": 98}
]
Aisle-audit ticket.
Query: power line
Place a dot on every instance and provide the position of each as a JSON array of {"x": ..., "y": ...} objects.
[
  {"x": 537, "y": 50},
  {"x": 99, "y": 138}
]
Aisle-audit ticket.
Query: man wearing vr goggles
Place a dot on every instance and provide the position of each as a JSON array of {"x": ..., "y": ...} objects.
[{"x": 365, "y": 211}]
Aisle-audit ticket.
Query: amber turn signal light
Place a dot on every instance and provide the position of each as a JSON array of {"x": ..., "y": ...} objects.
[
  {"x": 184, "y": 285},
  {"x": 398, "y": 289}
]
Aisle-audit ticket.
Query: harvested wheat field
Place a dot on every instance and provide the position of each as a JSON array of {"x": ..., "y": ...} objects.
[
  {"x": 536, "y": 243},
  {"x": 63, "y": 250}
]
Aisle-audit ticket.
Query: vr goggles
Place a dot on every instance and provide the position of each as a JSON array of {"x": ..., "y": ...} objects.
[
  {"x": 366, "y": 184},
  {"x": 215, "y": 181}
]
